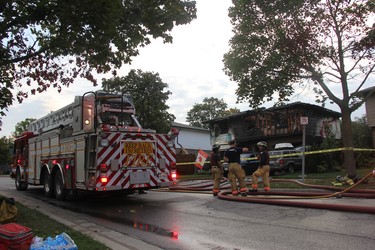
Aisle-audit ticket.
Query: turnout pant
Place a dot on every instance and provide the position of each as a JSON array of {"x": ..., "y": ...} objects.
[
  {"x": 236, "y": 173},
  {"x": 217, "y": 175},
  {"x": 263, "y": 171}
]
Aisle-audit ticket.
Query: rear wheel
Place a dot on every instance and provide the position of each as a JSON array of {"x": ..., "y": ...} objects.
[
  {"x": 20, "y": 185},
  {"x": 59, "y": 186},
  {"x": 48, "y": 187}
]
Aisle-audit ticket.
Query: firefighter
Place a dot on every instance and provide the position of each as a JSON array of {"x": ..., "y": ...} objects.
[
  {"x": 232, "y": 156},
  {"x": 216, "y": 168},
  {"x": 263, "y": 169}
]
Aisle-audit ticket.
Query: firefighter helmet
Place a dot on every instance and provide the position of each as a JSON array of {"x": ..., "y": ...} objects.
[
  {"x": 339, "y": 178},
  {"x": 262, "y": 143},
  {"x": 215, "y": 146}
]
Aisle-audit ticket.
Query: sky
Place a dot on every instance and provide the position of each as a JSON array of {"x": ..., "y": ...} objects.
[{"x": 191, "y": 66}]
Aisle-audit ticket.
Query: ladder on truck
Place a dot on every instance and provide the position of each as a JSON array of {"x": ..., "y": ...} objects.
[{"x": 61, "y": 117}]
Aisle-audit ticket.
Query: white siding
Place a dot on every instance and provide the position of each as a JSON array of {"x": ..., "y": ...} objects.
[{"x": 191, "y": 139}]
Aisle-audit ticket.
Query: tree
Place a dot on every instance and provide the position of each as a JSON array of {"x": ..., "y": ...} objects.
[
  {"x": 22, "y": 126},
  {"x": 231, "y": 111},
  {"x": 149, "y": 96},
  {"x": 5, "y": 156},
  {"x": 209, "y": 109},
  {"x": 51, "y": 43},
  {"x": 280, "y": 46}
]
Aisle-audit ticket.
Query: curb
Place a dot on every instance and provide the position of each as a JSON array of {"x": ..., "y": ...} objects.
[{"x": 112, "y": 239}]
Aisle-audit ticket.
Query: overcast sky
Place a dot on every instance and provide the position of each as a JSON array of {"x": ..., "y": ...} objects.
[{"x": 191, "y": 66}]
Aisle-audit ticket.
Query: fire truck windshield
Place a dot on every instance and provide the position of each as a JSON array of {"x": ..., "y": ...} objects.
[
  {"x": 115, "y": 109},
  {"x": 118, "y": 119}
]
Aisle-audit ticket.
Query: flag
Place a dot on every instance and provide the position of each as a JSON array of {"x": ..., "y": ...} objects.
[{"x": 201, "y": 158}]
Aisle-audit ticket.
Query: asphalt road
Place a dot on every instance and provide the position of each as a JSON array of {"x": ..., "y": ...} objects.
[{"x": 206, "y": 222}]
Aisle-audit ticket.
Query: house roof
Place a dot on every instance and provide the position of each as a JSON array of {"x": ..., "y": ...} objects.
[
  {"x": 185, "y": 126},
  {"x": 243, "y": 113},
  {"x": 367, "y": 90},
  {"x": 306, "y": 106}
]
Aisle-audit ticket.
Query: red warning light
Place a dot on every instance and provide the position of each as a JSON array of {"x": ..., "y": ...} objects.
[
  {"x": 103, "y": 168},
  {"x": 174, "y": 235},
  {"x": 103, "y": 179},
  {"x": 174, "y": 175}
]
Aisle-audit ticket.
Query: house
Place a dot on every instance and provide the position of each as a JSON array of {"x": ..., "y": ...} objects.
[
  {"x": 370, "y": 109},
  {"x": 190, "y": 139},
  {"x": 275, "y": 125}
]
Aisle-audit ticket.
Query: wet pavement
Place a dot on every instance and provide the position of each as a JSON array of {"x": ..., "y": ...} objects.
[
  {"x": 79, "y": 222},
  {"x": 117, "y": 239}
]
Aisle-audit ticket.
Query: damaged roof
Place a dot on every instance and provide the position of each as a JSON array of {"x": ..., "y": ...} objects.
[{"x": 277, "y": 109}]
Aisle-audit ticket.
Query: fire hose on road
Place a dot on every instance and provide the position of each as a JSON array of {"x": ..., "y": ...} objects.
[{"x": 296, "y": 199}]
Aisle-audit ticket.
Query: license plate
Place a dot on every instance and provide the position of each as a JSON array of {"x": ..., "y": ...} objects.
[{"x": 139, "y": 177}]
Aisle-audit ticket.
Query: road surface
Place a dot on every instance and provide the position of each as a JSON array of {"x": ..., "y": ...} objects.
[{"x": 201, "y": 221}]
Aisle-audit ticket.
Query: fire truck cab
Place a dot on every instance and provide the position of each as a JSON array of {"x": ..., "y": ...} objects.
[{"x": 93, "y": 144}]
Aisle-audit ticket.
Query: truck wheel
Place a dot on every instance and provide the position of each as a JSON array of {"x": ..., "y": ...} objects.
[
  {"x": 291, "y": 169},
  {"x": 59, "y": 186},
  {"x": 48, "y": 187},
  {"x": 20, "y": 185}
]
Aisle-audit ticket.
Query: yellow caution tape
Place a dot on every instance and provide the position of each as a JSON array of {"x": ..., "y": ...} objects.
[{"x": 298, "y": 154}]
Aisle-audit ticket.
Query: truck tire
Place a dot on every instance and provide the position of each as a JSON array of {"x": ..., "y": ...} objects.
[
  {"x": 20, "y": 185},
  {"x": 48, "y": 185},
  {"x": 59, "y": 186}
]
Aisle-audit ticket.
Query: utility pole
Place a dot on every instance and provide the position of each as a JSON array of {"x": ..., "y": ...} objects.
[{"x": 304, "y": 122}]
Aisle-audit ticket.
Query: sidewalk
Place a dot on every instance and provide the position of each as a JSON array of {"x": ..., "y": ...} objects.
[{"x": 110, "y": 238}]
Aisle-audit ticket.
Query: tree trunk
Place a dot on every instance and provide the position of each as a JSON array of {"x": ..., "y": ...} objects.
[{"x": 347, "y": 139}]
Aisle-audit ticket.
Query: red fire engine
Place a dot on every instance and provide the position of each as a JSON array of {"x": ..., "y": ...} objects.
[{"x": 93, "y": 144}]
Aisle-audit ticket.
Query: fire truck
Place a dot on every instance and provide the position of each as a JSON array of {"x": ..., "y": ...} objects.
[{"x": 94, "y": 144}]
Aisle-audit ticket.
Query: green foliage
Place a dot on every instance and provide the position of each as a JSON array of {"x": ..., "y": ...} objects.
[
  {"x": 279, "y": 47},
  {"x": 329, "y": 161},
  {"x": 277, "y": 44},
  {"x": 149, "y": 96},
  {"x": 50, "y": 43},
  {"x": 209, "y": 109},
  {"x": 5, "y": 154},
  {"x": 22, "y": 126},
  {"x": 231, "y": 111},
  {"x": 362, "y": 138}
]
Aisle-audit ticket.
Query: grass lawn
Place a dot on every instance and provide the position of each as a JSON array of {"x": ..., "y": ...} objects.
[
  {"x": 322, "y": 179},
  {"x": 43, "y": 226},
  {"x": 310, "y": 178}
]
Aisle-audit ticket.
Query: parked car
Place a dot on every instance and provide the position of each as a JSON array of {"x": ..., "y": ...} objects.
[
  {"x": 249, "y": 162},
  {"x": 284, "y": 145},
  {"x": 280, "y": 160},
  {"x": 300, "y": 149}
]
